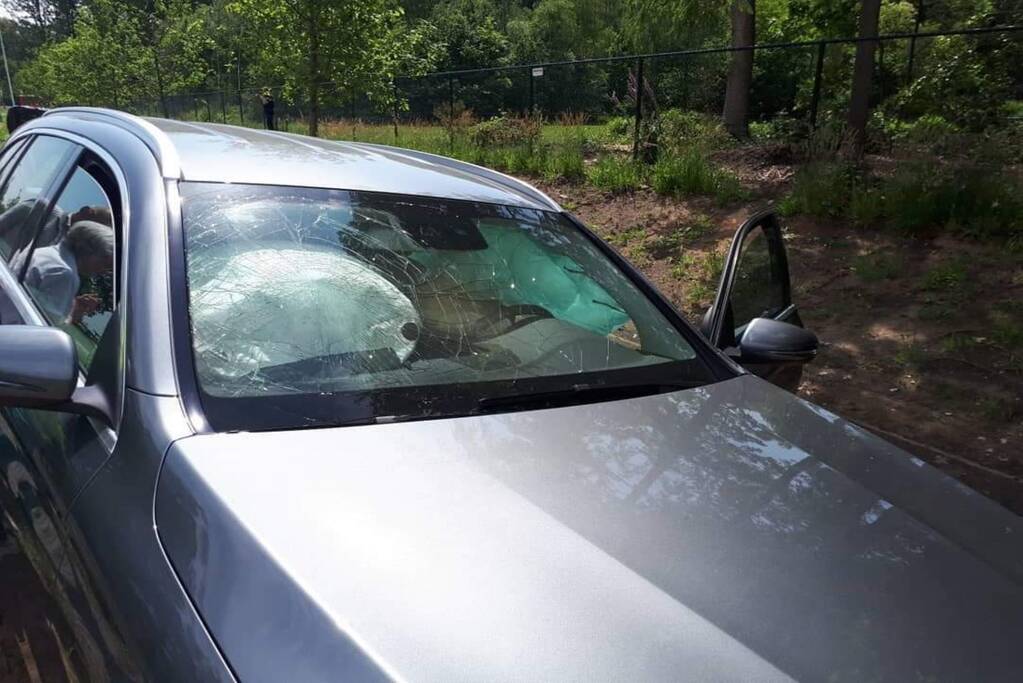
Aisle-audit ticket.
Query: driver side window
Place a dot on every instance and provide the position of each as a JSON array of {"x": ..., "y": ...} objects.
[{"x": 69, "y": 272}]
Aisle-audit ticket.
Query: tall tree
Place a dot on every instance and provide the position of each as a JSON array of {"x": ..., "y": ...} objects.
[
  {"x": 652, "y": 25},
  {"x": 740, "y": 75},
  {"x": 51, "y": 18},
  {"x": 863, "y": 73},
  {"x": 325, "y": 49}
]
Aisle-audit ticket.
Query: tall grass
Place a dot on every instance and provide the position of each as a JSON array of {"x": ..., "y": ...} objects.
[
  {"x": 691, "y": 174},
  {"x": 917, "y": 198},
  {"x": 616, "y": 174}
]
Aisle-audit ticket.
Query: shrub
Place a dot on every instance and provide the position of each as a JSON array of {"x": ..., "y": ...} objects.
[
  {"x": 619, "y": 127},
  {"x": 502, "y": 131},
  {"x": 782, "y": 129},
  {"x": 459, "y": 118},
  {"x": 687, "y": 130},
  {"x": 930, "y": 129},
  {"x": 616, "y": 174}
]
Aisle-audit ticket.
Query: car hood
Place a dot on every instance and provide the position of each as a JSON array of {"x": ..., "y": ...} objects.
[{"x": 726, "y": 532}]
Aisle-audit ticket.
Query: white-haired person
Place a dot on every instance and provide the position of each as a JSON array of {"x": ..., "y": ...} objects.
[{"x": 55, "y": 272}]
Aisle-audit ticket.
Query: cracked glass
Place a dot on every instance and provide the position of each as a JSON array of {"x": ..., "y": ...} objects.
[{"x": 311, "y": 306}]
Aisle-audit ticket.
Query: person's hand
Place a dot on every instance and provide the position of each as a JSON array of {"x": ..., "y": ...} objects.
[{"x": 84, "y": 305}]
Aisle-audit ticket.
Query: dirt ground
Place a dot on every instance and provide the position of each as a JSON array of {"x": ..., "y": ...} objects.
[{"x": 921, "y": 339}]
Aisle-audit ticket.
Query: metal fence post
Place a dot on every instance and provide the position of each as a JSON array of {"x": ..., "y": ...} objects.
[
  {"x": 532, "y": 91},
  {"x": 394, "y": 107},
  {"x": 451, "y": 113},
  {"x": 815, "y": 101},
  {"x": 912, "y": 41},
  {"x": 639, "y": 107},
  {"x": 241, "y": 113}
]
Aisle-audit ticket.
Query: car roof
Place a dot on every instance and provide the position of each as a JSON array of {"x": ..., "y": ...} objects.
[{"x": 213, "y": 152}]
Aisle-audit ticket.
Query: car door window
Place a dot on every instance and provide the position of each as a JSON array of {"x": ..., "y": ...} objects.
[
  {"x": 34, "y": 172},
  {"x": 70, "y": 272},
  {"x": 11, "y": 153},
  {"x": 759, "y": 289}
]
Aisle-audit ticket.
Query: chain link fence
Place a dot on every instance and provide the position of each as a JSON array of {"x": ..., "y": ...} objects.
[{"x": 795, "y": 84}]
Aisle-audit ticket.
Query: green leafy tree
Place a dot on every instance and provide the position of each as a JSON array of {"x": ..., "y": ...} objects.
[
  {"x": 328, "y": 51},
  {"x": 104, "y": 62},
  {"x": 471, "y": 38},
  {"x": 119, "y": 54}
]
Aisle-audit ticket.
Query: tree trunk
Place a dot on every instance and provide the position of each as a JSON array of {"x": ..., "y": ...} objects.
[
  {"x": 863, "y": 74},
  {"x": 740, "y": 75},
  {"x": 314, "y": 74}
]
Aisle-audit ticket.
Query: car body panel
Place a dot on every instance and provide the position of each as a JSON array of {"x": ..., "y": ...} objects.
[
  {"x": 214, "y": 152},
  {"x": 731, "y": 531},
  {"x": 112, "y": 522}
]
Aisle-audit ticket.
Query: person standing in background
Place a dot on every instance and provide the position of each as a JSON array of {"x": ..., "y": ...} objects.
[{"x": 266, "y": 96}]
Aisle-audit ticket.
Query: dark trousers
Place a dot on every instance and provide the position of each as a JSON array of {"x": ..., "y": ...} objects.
[{"x": 268, "y": 118}]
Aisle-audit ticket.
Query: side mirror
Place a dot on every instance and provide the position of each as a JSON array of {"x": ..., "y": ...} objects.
[
  {"x": 38, "y": 365},
  {"x": 771, "y": 341},
  {"x": 39, "y": 369}
]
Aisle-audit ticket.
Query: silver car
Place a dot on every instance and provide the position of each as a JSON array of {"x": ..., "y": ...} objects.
[{"x": 283, "y": 409}]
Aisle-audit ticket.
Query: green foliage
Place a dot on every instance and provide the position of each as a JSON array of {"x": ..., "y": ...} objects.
[
  {"x": 975, "y": 201},
  {"x": 957, "y": 82},
  {"x": 978, "y": 202},
  {"x": 820, "y": 189},
  {"x": 616, "y": 174},
  {"x": 627, "y": 237},
  {"x": 692, "y": 174},
  {"x": 664, "y": 244},
  {"x": 356, "y": 45},
  {"x": 505, "y": 130},
  {"x": 469, "y": 33},
  {"x": 619, "y": 127},
  {"x": 565, "y": 163},
  {"x": 683, "y": 131},
  {"x": 119, "y": 54},
  {"x": 946, "y": 276},
  {"x": 875, "y": 267}
]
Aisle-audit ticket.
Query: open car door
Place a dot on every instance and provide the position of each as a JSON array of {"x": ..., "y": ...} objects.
[{"x": 753, "y": 318}]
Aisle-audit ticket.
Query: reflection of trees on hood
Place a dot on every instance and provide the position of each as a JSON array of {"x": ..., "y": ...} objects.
[{"x": 742, "y": 503}]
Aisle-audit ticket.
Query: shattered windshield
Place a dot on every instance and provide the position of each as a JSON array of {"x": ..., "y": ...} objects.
[{"x": 401, "y": 306}]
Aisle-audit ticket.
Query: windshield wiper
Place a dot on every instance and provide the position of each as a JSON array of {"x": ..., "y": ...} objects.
[{"x": 579, "y": 394}]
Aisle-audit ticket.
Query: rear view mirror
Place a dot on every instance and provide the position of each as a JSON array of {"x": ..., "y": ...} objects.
[
  {"x": 38, "y": 366},
  {"x": 39, "y": 369},
  {"x": 771, "y": 341}
]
